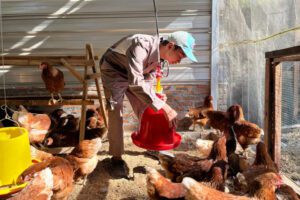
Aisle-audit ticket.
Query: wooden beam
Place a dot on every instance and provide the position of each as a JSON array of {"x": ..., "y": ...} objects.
[
  {"x": 58, "y": 150},
  {"x": 290, "y": 183},
  {"x": 93, "y": 76},
  {"x": 45, "y": 102},
  {"x": 30, "y": 61},
  {"x": 277, "y": 114},
  {"x": 73, "y": 97},
  {"x": 90, "y": 52},
  {"x": 75, "y": 73},
  {"x": 288, "y": 58},
  {"x": 272, "y": 118},
  {"x": 83, "y": 108},
  {"x": 268, "y": 103},
  {"x": 283, "y": 52}
]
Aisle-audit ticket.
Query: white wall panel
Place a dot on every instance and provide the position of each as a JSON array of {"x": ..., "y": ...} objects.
[{"x": 61, "y": 27}]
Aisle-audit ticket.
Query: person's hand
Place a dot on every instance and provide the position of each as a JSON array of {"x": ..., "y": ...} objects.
[{"x": 170, "y": 115}]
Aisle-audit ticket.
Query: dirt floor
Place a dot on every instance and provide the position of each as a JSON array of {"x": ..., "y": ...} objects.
[
  {"x": 101, "y": 185},
  {"x": 290, "y": 156}
]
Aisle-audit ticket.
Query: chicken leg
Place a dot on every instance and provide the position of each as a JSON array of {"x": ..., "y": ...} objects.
[
  {"x": 52, "y": 101},
  {"x": 60, "y": 98}
]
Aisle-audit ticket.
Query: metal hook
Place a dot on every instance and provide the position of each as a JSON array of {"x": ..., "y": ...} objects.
[
  {"x": 164, "y": 64},
  {"x": 7, "y": 117}
]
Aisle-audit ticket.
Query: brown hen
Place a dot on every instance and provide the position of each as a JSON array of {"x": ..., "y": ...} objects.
[
  {"x": 85, "y": 157},
  {"x": 247, "y": 133},
  {"x": 196, "y": 113},
  {"x": 36, "y": 124},
  {"x": 160, "y": 187},
  {"x": 218, "y": 120},
  {"x": 54, "y": 81},
  {"x": 62, "y": 172},
  {"x": 287, "y": 192},
  {"x": 263, "y": 186},
  {"x": 40, "y": 187},
  {"x": 261, "y": 165},
  {"x": 263, "y": 189},
  {"x": 178, "y": 165},
  {"x": 199, "y": 191}
]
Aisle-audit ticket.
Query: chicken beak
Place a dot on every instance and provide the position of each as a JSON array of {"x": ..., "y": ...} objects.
[{"x": 279, "y": 182}]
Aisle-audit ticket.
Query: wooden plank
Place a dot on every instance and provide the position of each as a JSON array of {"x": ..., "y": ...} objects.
[
  {"x": 90, "y": 54},
  {"x": 290, "y": 183},
  {"x": 267, "y": 102},
  {"x": 53, "y": 60},
  {"x": 93, "y": 76},
  {"x": 58, "y": 150},
  {"x": 272, "y": 125},
  {"x": 29, "y": 102},
  {"x": 83, "y": 108},
  {"x": 277, "y": 114},
  {"x": 75, "y": 97},
  {"x": 288, "y": 58},
  {"x": 75, "y": 73},
  {"x": 283, "y": 52}
]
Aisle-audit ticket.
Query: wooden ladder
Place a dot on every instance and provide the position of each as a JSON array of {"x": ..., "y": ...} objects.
[{"x": 96, "y": 76}]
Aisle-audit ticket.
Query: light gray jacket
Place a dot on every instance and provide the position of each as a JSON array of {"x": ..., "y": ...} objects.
[{"x": 136, "y": 57}]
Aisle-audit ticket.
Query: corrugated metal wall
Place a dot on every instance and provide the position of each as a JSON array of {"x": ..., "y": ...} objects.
[{"x": 60, "y": 27}]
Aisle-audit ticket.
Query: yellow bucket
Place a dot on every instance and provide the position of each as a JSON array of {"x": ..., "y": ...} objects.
[{"x": 14, "y": 154}]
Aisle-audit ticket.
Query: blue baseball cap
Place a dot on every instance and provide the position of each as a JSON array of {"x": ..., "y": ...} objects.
[{"x": 186, "y": 41}]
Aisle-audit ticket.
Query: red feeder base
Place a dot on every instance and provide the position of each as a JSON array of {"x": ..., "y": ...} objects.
[{"x": 155, "y": 133}]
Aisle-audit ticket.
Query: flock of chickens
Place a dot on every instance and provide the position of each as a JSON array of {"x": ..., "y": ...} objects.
[
  {"x": 53, "y": 176},
  {"x": 194, "y": 178},
  {"x": 183, "y": 176}
]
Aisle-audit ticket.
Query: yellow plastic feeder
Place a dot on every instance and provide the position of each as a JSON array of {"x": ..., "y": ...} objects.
[{"x": 14, "y": 157}]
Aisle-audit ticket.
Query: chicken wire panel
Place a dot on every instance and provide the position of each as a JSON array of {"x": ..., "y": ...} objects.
[
  {"x": 263, "y": 26},
  {"x": 290, "y": 120}
]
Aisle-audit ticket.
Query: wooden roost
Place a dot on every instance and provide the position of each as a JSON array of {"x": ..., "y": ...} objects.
[{"x": 88, "y": 61}]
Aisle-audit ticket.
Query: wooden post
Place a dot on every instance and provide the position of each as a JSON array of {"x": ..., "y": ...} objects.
[
  {"x": 277, "y": 113},
  {"x": 95, "y": 77},
  {"x": 272, "y": 119},
  {"x": 268, "y": 105}
]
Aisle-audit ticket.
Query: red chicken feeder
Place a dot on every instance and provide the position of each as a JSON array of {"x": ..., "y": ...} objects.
[{"x": 155, "y": 133}]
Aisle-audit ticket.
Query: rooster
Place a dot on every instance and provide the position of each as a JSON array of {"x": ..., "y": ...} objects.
[
  {"x": 196, "y": 113},
  {"x": 54, "y": 81},
  {"x": 159, "y": 187}
]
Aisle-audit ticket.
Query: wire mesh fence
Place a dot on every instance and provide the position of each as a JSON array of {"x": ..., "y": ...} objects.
[{"x": 290, "y": 124}]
